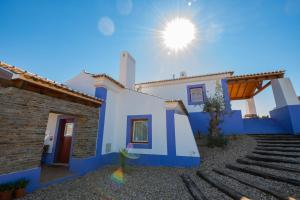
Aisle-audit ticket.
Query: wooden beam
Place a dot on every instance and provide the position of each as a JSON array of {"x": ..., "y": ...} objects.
[
  {"x": 262, "y": 88},
  {"x": 245, "y": 89},
  {"x": 238, "y": 88},
  {"x": 232, "y": 89}
]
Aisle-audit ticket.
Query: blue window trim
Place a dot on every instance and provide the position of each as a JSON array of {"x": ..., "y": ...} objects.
[
  {"x": 147, "y": 145},
  {"x": 189, "y": 87}
]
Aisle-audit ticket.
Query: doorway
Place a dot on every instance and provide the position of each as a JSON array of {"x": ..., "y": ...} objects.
[{"x": 64, "y": 141}]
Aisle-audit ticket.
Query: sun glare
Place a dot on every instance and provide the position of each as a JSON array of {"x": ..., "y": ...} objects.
[{"x": 178, "y": 34}]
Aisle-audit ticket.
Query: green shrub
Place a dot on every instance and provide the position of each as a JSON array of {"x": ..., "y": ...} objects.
[
  {"x": 217, "y": 141},
  {"x": 22, "y": 183},
  {"x": 6, "y": 187}
]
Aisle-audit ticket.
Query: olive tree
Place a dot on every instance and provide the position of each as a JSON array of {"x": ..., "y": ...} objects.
[{"x": 215, "y": 106}]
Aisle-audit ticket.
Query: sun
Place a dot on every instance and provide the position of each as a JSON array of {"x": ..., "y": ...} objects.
[{"x": 178, "y": 34}]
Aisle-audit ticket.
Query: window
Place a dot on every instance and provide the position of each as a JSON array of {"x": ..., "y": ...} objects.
[
  {"x": 139, "y": 131},
  {"x": 196, "y": 94},
  {"x": 69, "y": 129}
]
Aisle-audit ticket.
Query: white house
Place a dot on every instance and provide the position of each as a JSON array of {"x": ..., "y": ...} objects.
[
  {"x": 87, "y": 120},
  {"x": 152, "y": 126}
]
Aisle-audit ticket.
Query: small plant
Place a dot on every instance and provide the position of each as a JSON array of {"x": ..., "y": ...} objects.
[
  {"x": 22, "y": 183},
  {"x": 123, "y": 153},
  {"x": 6, "y": 191},
  {"x": 20, "y": 186},
  {"x": 6, "y": 187}
]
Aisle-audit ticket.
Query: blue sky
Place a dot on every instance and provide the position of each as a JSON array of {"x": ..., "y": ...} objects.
[{"x": 58, "y": 39}]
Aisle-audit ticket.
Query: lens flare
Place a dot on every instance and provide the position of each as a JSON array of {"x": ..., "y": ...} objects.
[
  {"x": 178, "y": 34},
  {"x": 118, "y": 176}
]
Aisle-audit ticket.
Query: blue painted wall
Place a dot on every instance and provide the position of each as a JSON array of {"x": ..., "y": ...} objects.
[
  {"x": 232, "y": 124},
  {"x": 288, "y": 117},
  {"x": 33, "y": 175},
  {"x": 226, "y": 96},
  {"x": 263, "y": 126}
]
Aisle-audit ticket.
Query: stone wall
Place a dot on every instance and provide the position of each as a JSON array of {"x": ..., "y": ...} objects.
[{"x": 23, "y": 121}]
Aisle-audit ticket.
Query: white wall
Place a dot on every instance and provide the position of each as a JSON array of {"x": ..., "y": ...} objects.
[
  {"x": 284, "y": 92},
  {"x": 179, "y": 92},
  {"x": 83, "y": 82},
  {"x": 185, "y": 141},
  {"x": 127, "y": 70},
  {"x": 51, "y": 131},
  {"x": 128, "y": 102}
]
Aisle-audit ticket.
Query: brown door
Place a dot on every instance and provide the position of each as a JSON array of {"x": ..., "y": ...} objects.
[{"x": 64, "y": 140}]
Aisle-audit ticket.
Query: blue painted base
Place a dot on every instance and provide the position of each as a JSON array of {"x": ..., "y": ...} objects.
[
  {"x": 85, "y": 165},
  {"x": 33, "y": 175},
  {"x": 233, "y": 122},
  {"x": 283, "y": 121},
  {"x": 288, "y": 117},
  {"x": 48, "y": 158},
  {"x": 167, "y": 161},
  {"x": 263, "y": 126}
]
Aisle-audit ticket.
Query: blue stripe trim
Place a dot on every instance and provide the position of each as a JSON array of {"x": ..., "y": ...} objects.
[
  {"x": 33, "y": 175},
  {"x": 101, "y": 92},
  {"x": 226, "y": 95},
  {"x": 171, "y": 143}
]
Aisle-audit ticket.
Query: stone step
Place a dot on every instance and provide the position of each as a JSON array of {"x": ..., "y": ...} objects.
[
  {"x": 278, "y": 142},
  {"x": 268, "y": 165},
  {"x": 276, "y": 154},
  {"x": 223, "y": 188},
  {"x": 276, "y": 136},
  {"x": 265, "y": 175},
  {"x": 270, "y": 159},
  {"x": 278, "y": 145},
  {"x": 278, "y": 139},
  {"x": 281, "y": 195},
  {"x": 194, "y": 190},
  {"x": 278, "y": 149}
]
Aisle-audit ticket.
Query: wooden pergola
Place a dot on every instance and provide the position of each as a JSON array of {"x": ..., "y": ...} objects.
[{"x": 247, "y": 86}]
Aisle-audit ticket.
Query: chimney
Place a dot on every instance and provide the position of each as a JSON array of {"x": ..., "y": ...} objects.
[
  {"x": 127, "y": 70},
  {"x": 183, "y": 74}
]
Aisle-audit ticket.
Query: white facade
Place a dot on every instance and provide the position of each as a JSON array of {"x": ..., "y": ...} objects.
[
  {"x": 284, "y": 92},
  {"x": 250, "y": 107},
  {"x": 51, "y": 131},
  {"x": 127, "y": 70},
  {"x": 126, "y": 102},
  {"x": 185, "y": 141},
  {"x": 123, "y": 102},
  {"x": 177, "y": 89}
]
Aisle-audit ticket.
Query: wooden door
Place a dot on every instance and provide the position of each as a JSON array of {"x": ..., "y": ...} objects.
[{"x": 64, "y": 140}]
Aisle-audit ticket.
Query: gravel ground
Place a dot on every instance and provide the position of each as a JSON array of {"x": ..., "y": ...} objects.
[{"x": 161, "y": 182}]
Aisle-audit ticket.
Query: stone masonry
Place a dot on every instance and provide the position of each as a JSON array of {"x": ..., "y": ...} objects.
[{"x": 23, "y": 120}]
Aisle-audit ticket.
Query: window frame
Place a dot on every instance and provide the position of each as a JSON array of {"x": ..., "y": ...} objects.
[
  {"x": 132, "y": 131},
  {"x": 189, "y": 97},
  {"x": 129, "y": 135}
]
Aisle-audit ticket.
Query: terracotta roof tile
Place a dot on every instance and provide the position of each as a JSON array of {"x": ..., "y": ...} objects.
[
  {"x": 181, "y": 105},
  {"x": 185, "y": 78},
  {"x": 108, "y": 77},
  {"x": 279, "y": 73},
  {"x": 37, "y": 78}
]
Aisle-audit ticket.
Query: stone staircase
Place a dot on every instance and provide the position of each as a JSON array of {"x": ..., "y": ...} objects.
[{"x": 272, "y": 168}]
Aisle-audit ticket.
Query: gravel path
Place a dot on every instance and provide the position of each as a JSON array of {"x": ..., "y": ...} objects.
[{"x": 164, "y": 183}]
